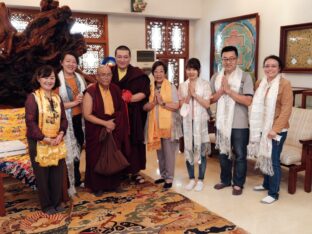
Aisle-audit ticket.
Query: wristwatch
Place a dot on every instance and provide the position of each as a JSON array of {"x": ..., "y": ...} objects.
[{"x": 163, "y": 104}]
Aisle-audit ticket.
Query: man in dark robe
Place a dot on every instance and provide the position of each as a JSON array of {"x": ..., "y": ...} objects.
[
  {"x": 135, "y": 86},
  {"x": 97, "y": 118}
]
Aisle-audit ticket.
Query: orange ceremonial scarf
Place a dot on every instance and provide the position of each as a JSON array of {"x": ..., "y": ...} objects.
[{"x": 160, "y": 128}]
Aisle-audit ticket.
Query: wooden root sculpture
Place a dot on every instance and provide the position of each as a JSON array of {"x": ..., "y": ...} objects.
[{"x": 42, "y": 42}]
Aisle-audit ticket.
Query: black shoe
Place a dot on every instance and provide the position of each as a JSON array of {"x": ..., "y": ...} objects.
[
  {"x": 124, "y": 177},
  {"x": 49, "y": 211},
  {"x": 99, "y": 193},
  {"x": 60, "y": 208},
  {"x": 167, "y": 185},
  {"x": 221, "y": 186},
  {"x": 237, "y": 192},
  {"x": 159, "y": 181},
  {"x": 120, "y": 190}
]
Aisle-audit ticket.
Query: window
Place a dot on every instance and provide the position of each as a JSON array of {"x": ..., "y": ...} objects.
[
  {"x": 92, "y": 26},
  {"x": 170, "y": 39},
  {"x": 94, "y": 29}
]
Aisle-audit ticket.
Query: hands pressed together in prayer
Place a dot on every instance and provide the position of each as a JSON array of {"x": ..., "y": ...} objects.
[
  {"x": 158, "y": 99},
  {"x": 190, "y": 93},
  {"x": 225, "y": 87}
]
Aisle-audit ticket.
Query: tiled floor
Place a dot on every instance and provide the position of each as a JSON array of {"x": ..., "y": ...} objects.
[{"x": 291, "y": 214}]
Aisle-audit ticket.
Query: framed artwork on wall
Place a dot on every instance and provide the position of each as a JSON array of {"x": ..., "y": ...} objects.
[
  {"x": 241, "y": 32},
  {"x": 296, "y": 48}
]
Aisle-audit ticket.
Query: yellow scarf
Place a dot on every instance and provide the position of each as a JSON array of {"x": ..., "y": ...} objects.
[
  {"x": 107, "y": 100},
  {"x": 155, "y": 132},
  {"x": 49, "y": 124},
  {"x": 121, "y": 73}
]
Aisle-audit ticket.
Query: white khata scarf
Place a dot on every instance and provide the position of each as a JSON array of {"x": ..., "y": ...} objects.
[
  {"x": 225, "y": 111},
  {"x": 261, "y": 121},
  {"x": 195, "y": 125},
  {"x": 73, "y": 150}
]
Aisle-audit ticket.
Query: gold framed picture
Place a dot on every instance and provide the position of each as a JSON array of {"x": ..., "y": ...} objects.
[{"x": 296, "y": 48}]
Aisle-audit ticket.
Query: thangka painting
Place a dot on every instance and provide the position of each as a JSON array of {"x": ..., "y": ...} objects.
[
  {"x": 241, "y": 32},
  {"x": 296, "y": 48}
]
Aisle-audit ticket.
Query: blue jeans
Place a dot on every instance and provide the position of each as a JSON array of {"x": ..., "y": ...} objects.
[
  {"x": 239, "y": 142},
  {"x": 272, "y": 183},
  {"x": 201, "y": 166}
]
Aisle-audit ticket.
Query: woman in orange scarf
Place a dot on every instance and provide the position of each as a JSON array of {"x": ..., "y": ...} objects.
[{"x": 161, "y": 132}]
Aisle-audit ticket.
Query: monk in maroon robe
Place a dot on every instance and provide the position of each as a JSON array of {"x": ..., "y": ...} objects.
[
  {"x": 103, "y": 108},
  {"x": 135, "y": 86}
]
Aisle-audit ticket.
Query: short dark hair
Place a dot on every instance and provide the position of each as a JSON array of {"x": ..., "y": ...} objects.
[
  {"x": 158, "y": 64},
  {"x": 278, "y": 59},
  {"x": 44, "y": 71},
  {"x": 70, "y": 53},
  {"x": 123, "y": 47},
  {"x": 193, "y": 63},
  {"x": 228, "y": 49}
]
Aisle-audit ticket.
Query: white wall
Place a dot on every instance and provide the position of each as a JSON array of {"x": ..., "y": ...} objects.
[
  {"x": 125, "y": 30},
  {"x": 160, "y": 8},
  {"x": 273, "y": 15}
]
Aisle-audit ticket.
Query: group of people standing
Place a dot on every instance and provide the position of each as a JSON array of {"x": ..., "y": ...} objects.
[
  {"x": 259, "y": 132},
  {"x": 64, "y": 114},
  {"x": 249, "y": 122}
]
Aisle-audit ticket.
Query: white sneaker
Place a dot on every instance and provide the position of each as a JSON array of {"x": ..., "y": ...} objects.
[
  {"x": 199, "y": 186},
  {"x": 259, "y": 188},
  {"x": 268, "y": 200},
  {"x": 190, "y": 185}
]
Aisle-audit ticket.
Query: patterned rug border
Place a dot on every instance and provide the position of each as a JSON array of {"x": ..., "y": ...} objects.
[{"x": 144, "y": 208}]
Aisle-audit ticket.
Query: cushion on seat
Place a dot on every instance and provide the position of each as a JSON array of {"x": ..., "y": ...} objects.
[
  {"x": 300, "y": 126},
  {"x": 291, "y": 155}
]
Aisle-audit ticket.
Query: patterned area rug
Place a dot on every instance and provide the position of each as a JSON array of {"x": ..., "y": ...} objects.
[{"x": 144, "y": 208}]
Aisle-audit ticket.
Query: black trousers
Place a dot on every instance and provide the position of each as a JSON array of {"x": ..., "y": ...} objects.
[
  {"x": 78, "y": 132},
  {"x": 49, "y": 180}
]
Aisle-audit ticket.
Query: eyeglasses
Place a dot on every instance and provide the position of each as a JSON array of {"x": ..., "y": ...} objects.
[
  {"x": 270, "y": 66},
  {"x": 108, "y": 75},
  {"x": 231, "y": 59}
]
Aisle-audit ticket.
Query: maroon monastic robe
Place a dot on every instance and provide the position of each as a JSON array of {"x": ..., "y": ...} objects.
[
  {"x": 136, "y": 82},
  {"x": 94, "y": 181}
]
